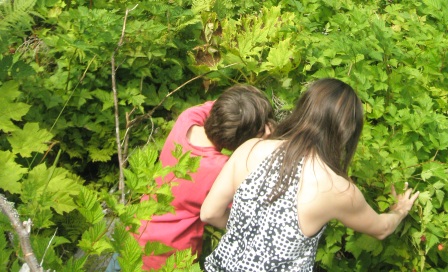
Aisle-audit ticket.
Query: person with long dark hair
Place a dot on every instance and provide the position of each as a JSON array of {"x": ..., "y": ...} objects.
[{"x": 285, "y": 189}]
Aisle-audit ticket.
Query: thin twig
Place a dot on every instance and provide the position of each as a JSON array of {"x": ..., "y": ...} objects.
[
  {"x": 116, "y": 113},
  {"x": 48, "y": 246}
]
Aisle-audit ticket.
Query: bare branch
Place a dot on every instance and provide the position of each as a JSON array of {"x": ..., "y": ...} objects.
[
  {"x": 24, "y": 236},
  {"x": 116, "y": 114}
]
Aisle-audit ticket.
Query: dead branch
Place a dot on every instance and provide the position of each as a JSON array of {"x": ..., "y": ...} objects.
[
  {"x": 24, "y": 236},
  {"x": 116, "y": 114}
]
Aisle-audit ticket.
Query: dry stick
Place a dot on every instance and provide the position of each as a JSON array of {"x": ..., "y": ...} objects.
[
  {"x": 24, "y": 237},
  {"x": 117, "y": 120}
]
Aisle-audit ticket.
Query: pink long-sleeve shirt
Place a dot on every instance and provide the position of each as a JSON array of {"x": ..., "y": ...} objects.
[{"x": 184, "y": 229}]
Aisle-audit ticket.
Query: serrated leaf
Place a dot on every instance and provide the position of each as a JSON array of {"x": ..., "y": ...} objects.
[
  {"x": 5, "y": 251},
  {"x": 89, "y": 206},
  {"x": 279, "y": 56},
  {"x": 30, "y": 139},
  {"x": 156, "y": 248},
  {"x": 10, "y": 173},
  {"x": 9, "y": 109},
  {"x": 130, "y": 258},
  {"x": 440, "y": 196},
  {"x": 369, "y": 244},
  {"x": 424, "y": 197},
  {"x": 433, "y": 169},
  {"x": 74, "y": 264},
  {"x": 431, "y": 241},
  {"x": 94, "y": 239},
  {"x": 53, "y": 187},
  {"x": 98, "y": 154},
  {"x": 105, "y": 97},
  {"x": 177, "y": 151}
]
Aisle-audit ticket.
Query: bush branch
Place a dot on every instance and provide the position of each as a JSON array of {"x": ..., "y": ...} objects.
[
  {"x": 116, "y": 114},
  {"x": 24, "y": 236}
]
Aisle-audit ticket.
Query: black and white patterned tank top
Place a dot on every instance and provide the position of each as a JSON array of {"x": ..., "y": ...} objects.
[{"x": 263, "y": 236}]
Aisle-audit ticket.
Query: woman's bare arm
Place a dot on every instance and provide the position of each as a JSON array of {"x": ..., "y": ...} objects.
[{"x": 357, "y": 214}]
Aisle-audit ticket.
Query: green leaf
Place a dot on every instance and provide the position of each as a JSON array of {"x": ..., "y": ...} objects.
[
  {"x": 10, "y": 173},
  {"x": 181, "y": 260},
  {"x": 30, "y": 139},
  {"x": 431, "y": 241},
  {"x": 177, "y": 151},
  {"x": 280, "y": 55},
  {"x": 424, "y": 197},
  {"x": 5, "y": 251},
  {"x": 101, "y": 153},
  {"x": 129, "y": 251},
  {"x": 367, "y": 243},
  {"x": 370, "y": 244},
  {"x": 434, "y": 169},
  {"x": 156, "y": 248},
  {"x": 10, "y": 110},
  {"x": 94, "y": 240},
  {"x": 21, "y": 70},
  {"x": 89, "y": 206},
  {"x": 105, "y": 97},
  {"x": 75, "y": 264}
]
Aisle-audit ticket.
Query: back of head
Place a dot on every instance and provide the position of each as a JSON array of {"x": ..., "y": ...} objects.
[
  {"x": 240, "y": 113},
  {"x": 327, "y": 121}
]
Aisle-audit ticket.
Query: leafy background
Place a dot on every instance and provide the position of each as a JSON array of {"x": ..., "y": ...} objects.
[{"x": 59, "y": 157}]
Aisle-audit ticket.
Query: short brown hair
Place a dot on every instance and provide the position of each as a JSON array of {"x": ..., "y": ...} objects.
[{"x": 239, "y": 114}]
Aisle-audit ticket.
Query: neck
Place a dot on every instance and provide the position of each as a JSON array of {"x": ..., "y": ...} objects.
[{"x": 196, "y": 136}]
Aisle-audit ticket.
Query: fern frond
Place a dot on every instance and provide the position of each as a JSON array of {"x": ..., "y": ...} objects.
[
  {"x": 17, "y": 13},
  {"x": 202, "y": 5}
]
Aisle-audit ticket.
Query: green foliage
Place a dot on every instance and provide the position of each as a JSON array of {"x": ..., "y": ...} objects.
[
  {"x": 57, "y": 132},
  {"x": 16, "y": 14},
  {"x": 393, "y": 54},
  {"x": 181, "y": 261}
]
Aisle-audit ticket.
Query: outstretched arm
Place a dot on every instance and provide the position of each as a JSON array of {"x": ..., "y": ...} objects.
[{"x": 361, "y": 217}]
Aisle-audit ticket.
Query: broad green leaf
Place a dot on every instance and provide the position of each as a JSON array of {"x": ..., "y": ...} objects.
[
  {"x": 281, "y": 55},
  {"x": 10, "y": 173},
  {"x": 105, "y": 97},
  {"x": 369, "y": 244},
  {"x": 101, "y": 153},
  {"x": 30, "y": 139},
  {"x": 63, "y": 202},
  {"x": 424, "y": 197},
  {"x": 10, "y": 110},
  {"x": 53, "y": 187},
  {"x": 434, "y": 169}
]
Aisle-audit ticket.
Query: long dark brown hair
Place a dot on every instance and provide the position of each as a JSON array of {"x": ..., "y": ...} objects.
[{"x": 327, "y": 121}]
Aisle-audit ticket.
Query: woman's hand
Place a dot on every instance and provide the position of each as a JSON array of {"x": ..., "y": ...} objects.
[{"x": 404, "y": 200}]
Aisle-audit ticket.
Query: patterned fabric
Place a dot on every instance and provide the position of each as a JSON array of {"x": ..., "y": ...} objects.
[{"x": 262, "y": 236}]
